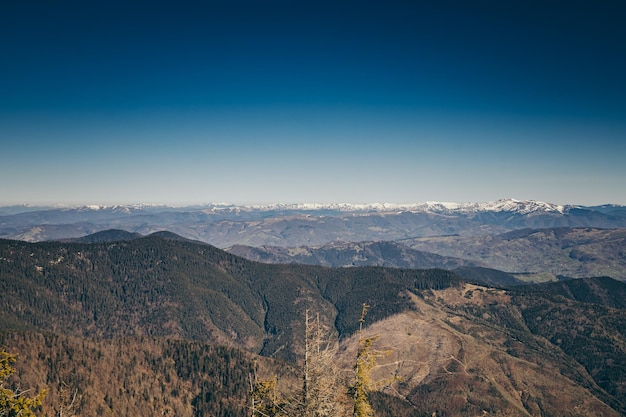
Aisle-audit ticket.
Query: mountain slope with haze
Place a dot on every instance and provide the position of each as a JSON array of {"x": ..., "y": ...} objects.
[{"x": 306, "y": 225}]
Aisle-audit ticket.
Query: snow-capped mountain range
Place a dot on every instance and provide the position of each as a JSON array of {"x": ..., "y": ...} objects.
[
  {"x": 225, "y": 225},
  {"x": 503, "y": 205},
  {"x": 508, "y": 205}
]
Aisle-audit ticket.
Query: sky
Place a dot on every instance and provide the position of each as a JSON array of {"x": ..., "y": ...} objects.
[{"x": 260, "y": 102}]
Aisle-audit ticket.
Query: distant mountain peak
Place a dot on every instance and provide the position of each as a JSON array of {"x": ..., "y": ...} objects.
[
  {"x": 502, "y": 205},
  {"x": 513, "y": 205}
]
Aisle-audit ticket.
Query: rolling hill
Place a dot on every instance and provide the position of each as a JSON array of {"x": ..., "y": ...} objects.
[
  {"x": 571, "y": 252},
  {"x": 343, "y": 254},
  {"x": 526, "y": 254}
]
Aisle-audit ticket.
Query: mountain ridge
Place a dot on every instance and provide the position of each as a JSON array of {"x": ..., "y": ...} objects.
[
  {"x": 308, "y": 225},
  {"x": 527, "y": 253},
  {"x": 505, "y": 204}
]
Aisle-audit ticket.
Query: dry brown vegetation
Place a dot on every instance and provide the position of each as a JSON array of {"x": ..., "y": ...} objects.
[{"x": 452, "y": 364}]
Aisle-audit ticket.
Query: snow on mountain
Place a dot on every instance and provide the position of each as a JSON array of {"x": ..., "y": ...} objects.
[
  {"x": 224, "y": 225},
  {"x": 504, "y": 205},
  {"x": 119, "y": 208},
  {"x": 514, "y": 206}
]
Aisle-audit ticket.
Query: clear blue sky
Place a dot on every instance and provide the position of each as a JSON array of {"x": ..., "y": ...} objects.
[{"x": 106, "y": 102}]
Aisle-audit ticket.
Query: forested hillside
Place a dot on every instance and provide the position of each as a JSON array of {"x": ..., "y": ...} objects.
[
  {"x": 162, "y": 286},
  {"x": 159, "y": 324},
  {"x": 132, "y": 376}
]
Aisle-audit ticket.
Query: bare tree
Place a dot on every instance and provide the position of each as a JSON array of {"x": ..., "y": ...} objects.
[
  {"x": 322, "y": 393},
  {"x": 67, "y": 401},
  {"x": 321, "y": 384}
]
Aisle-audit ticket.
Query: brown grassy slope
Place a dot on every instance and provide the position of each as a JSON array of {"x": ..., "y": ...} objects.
[{"x": 453, "y": 365}]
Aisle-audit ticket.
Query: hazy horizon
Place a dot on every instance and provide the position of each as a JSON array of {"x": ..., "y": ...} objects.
[
  {"x": 386, "y": 205},
  {"x": 312, "y": 102}
]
